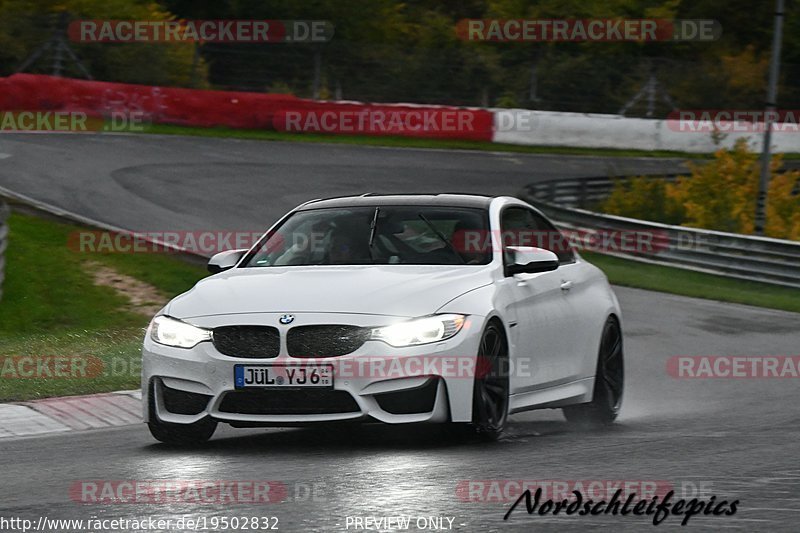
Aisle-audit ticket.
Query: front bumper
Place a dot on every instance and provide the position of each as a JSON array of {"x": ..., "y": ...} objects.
[{"x": 428, "y": 383}]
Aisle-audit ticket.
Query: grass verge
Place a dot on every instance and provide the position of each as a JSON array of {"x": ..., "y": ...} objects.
[
  {"x": 672, "y": 280},
  {"x": 407, "y": 142},
  {"x": 52, "y": 309}
]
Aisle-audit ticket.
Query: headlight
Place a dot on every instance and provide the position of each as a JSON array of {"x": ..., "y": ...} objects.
[
  {"x": 166, "y": 330},
  {"x": 420, "y": 330}
]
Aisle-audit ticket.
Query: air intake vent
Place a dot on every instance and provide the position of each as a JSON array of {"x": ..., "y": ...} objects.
[
  {"x": 405, "y": 402},
  {"x": 325, "y": 340},
  {"x": 288, "y": 402},
  {"x": 182, "y": 402},
  {"x": 253, "y": 342}
]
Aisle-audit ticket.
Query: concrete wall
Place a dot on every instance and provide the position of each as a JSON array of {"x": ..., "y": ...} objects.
[{"x": 552, "y": 128}]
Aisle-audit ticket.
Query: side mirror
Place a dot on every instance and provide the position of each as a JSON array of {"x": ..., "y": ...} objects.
[
  {"x": 529, "y": 260},
  {"x": 224, "y": 260}
]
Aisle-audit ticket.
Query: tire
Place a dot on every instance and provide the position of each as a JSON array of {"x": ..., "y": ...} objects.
[
  {"x": 490, "y": 389},
  {"x": 179, "y": 434},
  {"x": 609, "y": 382}
]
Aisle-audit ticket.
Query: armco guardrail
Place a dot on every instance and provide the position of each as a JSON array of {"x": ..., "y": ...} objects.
[
  {"x": 4, "y": 211},
  {"x": 568, "y": 202}
]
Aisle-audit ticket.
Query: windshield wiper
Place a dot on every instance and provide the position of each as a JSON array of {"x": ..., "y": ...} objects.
[
  {"x": 373, "y": 226},
  {"x": 442, "y": 238}
]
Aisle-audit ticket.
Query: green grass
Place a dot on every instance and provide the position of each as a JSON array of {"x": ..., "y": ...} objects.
[
  {"x": 51, "y": 307},
  {"x": 696, "y": 284},
  {"x": 406, "y": 142}
]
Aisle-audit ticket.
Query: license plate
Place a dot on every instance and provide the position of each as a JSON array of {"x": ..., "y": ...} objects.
[{"x": 250, "y": 376}]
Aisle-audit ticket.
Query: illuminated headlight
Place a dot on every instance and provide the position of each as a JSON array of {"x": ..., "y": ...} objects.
[
  {"x": 420, "y": 330},
  {"x": 171, "y": 332}
]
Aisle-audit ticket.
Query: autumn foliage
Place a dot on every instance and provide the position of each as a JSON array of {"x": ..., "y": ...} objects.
[{"x": 719, "y": 195}]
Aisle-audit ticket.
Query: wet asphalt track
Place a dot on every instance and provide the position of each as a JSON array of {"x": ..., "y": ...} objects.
[
  {"x": 168, "y": 183},
  {"x": 737, "y": 438}
]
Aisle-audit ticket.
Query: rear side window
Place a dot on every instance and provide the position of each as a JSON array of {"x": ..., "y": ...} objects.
[{"x": 523, "y": 227}]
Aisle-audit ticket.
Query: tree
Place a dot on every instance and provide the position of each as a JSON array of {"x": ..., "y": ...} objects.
[{"x": 26, "y": 24}]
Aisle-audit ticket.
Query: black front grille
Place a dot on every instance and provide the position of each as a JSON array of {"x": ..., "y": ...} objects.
[
  {"x": 247, "y": 341},
  {"x": 183, "y": 403},
  {"x": 288, "y": 402},
  {"x": 410, "y": 401},
  {"x": 326, "y": 340}
]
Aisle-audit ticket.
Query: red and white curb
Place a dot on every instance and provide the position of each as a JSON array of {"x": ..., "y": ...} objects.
[{"x": 72, "y": 413}]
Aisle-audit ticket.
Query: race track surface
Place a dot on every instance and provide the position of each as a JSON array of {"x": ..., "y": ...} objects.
[
  {"x": 168, "y": 183},
  {"x": 733, "y": 438}
]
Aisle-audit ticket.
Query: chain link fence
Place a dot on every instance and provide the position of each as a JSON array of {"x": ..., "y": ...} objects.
[{"x": 573, "y": 77}]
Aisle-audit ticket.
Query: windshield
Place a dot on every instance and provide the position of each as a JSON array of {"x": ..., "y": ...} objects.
[{"x": 385, "y": 235}]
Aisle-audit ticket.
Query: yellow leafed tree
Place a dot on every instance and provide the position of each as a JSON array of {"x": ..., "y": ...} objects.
[{"x": 719, "y": 195}]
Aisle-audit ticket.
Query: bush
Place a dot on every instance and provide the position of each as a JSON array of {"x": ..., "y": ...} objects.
[
  {"x": 645, "y": 198},
  {"x": 783, "y": 209},
  {"x": 719, "y": 195}
]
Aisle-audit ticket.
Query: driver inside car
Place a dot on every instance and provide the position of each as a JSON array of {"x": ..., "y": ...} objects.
[{"x": 348, "y": 246}]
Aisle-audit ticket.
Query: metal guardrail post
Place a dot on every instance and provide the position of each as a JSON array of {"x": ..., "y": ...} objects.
[
  {"x": 582, "y": 194},
  {"x": 4, "y": 211}
]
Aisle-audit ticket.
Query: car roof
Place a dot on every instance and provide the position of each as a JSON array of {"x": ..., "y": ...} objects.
[{"x": 434, "y": 200}]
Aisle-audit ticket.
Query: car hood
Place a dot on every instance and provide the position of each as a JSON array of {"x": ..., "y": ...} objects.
[{"x": 396, "y": 290}]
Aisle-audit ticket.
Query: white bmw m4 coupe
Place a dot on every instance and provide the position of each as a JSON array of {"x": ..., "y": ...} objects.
[{"x": 450, "y": 308}]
